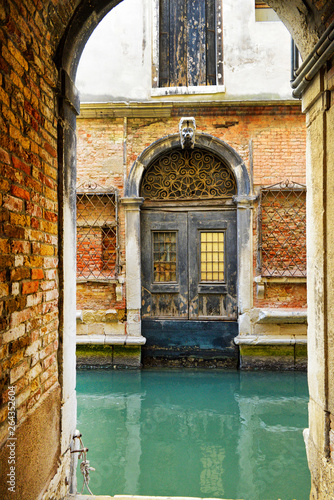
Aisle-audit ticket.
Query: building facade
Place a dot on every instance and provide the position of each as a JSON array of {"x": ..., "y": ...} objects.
[{"x": 193, "y": 122}]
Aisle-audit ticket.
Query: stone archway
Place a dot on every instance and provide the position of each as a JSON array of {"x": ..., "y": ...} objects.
[
  {"x": 132, "y": 203},
  {"x": 307, "y": 21}
]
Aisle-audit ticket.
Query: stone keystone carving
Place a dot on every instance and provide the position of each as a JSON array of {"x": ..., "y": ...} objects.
[{"x": 187, "y": 127}]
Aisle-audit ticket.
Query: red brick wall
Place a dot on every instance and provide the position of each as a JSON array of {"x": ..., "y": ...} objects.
[{"x": 28, "y": 198}]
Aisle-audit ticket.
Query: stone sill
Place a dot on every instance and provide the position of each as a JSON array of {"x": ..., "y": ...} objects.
[
  {"x": 99, "y": 280},
  {"x": 269, "y": 340},
  {"x": 110, "y": 340},
  {"x": 282, "y": 316},
  {"x": 192, "y": 90},
  {"x": 280, "y": 279},
  {"x": 262, "y": 281}
]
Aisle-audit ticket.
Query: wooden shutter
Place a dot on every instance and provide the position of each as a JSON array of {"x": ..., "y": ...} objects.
[
  {"x": 211, "y": 42},
  {"x": 196, "y": 57},
  {"x": 164, "y": 44}
]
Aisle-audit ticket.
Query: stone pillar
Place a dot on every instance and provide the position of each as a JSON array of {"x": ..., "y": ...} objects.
[
  {"x": 69, "y": 107},
  {"x": 133, "y": 264},
  {"x": 319, "y": 109},
  {"x": 245, "y": 262}
]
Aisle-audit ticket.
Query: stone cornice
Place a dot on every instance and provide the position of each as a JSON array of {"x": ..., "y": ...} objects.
[{"x": 161, "y": 109}]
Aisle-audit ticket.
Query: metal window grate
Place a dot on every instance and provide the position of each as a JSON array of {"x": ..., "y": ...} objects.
[
  {"x": 282, "y": 230},
  {"x": 97, "y": 232}
]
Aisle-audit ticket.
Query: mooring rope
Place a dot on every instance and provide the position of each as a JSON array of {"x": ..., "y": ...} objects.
[{"x": 85, "y": 467}]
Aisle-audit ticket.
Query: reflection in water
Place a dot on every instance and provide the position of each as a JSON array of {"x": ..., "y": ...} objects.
[{"x": 195, "y": 433}]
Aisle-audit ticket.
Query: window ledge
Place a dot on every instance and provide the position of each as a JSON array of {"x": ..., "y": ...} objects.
[
  {"x": 262, "y": 281},
  {"x": 110, "y": 340},
  {"x": 268, "y": 340},
  {"x": 109, "y": 281},
  {"x": 280, "y": 279},
  {"x": 282, "y": 316},
  {"x": 200, "y": 89}
]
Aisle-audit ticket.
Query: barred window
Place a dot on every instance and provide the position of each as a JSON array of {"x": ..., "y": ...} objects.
[
  {"x": 282, "y": 230},
  {"x": 97, "y": 233}
]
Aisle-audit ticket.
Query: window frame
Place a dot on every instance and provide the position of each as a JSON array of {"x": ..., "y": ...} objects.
[{"x": 157, "y": 91}]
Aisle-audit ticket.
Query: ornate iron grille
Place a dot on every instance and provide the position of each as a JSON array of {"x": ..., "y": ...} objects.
[
  {"x": 282, "y": 230},
  {"x": 187, "y": 175},
  {"x": 97, "y": 232}
]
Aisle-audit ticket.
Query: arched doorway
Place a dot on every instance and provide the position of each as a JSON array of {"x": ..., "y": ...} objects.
[
  {"x": 189, "y": 256},
  {"x": 191, "y": 282}
]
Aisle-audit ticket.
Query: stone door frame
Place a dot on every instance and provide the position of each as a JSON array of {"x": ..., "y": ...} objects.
[{"x": 132, "y": 202}]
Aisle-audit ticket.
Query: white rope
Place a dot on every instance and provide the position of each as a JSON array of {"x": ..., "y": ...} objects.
[{"x": 85, "y": 467}]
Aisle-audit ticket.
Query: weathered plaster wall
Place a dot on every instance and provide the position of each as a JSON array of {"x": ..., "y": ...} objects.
[
  {"x": 115, "y": 65},
  {"x": 318, "y": 104}
]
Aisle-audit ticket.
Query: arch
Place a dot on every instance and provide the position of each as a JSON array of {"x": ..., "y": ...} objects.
[
  {"x": 132, "y": 202},
  {"x": 304, "y": 21},
  {"x": 205, "y": 141}
]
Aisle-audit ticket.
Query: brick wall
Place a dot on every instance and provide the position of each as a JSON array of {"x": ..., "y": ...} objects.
[
  {"x": 275, "y": 133},
  {"x": 29, "y": 32},
  {"x": 29, "y": 206}
]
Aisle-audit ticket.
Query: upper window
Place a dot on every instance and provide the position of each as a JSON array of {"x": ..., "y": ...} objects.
[{"x": 189, "y": 52}]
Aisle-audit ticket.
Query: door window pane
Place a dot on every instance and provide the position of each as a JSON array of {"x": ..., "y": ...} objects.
[
  {"x": 164, "y": 256},
  {"x": 212, "y": 256}
]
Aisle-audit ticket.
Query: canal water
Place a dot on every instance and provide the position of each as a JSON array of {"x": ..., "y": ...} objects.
[{"x": 195, "y": 433}]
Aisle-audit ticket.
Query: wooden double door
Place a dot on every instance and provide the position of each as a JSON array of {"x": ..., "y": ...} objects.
[{"x": 189, "y": 282}]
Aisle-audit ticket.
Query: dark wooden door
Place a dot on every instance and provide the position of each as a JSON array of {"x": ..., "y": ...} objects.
[{"x": 189, "y": 277}]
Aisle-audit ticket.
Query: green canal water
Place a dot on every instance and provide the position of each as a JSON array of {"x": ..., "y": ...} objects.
[{"x": 195, "y": 433}]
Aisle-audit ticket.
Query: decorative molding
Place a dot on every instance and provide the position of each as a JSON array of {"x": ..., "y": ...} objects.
[{"x": 187, "y": 133}]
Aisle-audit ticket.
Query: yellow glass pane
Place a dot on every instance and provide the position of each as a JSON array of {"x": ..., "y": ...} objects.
[{"x": 212, "y": 256}]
